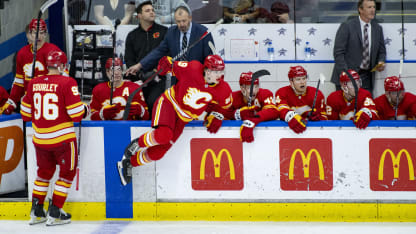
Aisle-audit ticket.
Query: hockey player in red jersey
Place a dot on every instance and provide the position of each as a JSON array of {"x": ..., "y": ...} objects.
[
  {"x": 394, "y": 98},
  {"x": 295, "y": 101},
  {"x": 4, "y": 95},
  {"x": 262, "y": 108},
  {"x": 24, "y": 61},
  {"x": 53, "y": 103},
  {"x": 340, "y": 104},
  {"x": 197, "y": 87},
  {"x": 100, "y": 103}
]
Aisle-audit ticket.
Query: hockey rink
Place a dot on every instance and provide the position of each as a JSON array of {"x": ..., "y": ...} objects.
[{"x": 115, "y": 227}]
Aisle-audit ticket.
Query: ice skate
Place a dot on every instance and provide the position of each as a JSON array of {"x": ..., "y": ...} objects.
[
  {"x": 125, "y": 170},
  {"x": 57, "y": 216},
  {"x": 37, "y": 213}
]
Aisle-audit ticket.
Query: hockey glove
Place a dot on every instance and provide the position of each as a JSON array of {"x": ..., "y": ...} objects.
[
  {"x": 8, "y": 107},
  {"x": 136, "y": 111},
  {"x": 244, "y": 113},
  {"x": 362, "y": 118},
  {"x": 87, "y": 110},
  {"x": 246, "y": 129},
  {"x": 295, "y": 122},
  {"x": 316, "y": 116},
  {"x": 213, "y": 122},
  {"x": 110, "y": 111},
  {"x": 165, "y": 65}
]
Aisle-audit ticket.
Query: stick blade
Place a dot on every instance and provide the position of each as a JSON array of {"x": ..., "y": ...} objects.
[
  {"x": 262, "y": 72},
  {"x": 322, "y": 78},
  {"x": 46, "y": 5}
]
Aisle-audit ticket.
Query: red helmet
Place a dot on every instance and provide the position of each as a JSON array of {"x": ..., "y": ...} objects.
[
  {"x": 393, "y": 83},
  {"x": 56, "y": 58},
  {"x": 245, "y": 78},
  {"x": 214, "y": 62},
  {"x": 33, "y": 25},
  {"x": 296, "y": 71},
  {"x": 117, "y": 62},
  {"x": 345, "y": 78}
]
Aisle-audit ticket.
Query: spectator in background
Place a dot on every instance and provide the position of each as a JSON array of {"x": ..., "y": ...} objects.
[
  {"x": 172, "y": 44},
  {"x": 353, "y": 51},
  {"x": 165, "y": 9},
  {"x": 394, "y": 98},
  {"x": 108, "y": 11},
  {"x": 279, "y": 13},
  {"x": 140, "y": 42},
  {"x": 101, "y": 109},
  {"x": 240, "y": 11}
]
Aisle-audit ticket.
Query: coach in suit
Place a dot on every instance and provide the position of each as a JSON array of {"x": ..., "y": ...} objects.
[
  {"x": 182, "y": 35},
  {"x": 359, "y": 45}
]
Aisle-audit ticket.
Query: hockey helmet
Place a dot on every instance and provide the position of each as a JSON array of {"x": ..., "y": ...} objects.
[
  {"x": 117, "y": 62},
  {"x": 345, "y": 78},
  {"x": 393, "y": 83},
  {"x": 56, "y": 58},
  {"x": 214, "y": 62},
  {"x": 33, "y": 24},
  {"x": 296, "y": 71},
  {"x": 245, "y": 78}
]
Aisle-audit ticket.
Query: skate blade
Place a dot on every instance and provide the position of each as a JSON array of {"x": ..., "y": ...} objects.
[
  {"x": 120, "y": 173},
  {"x": 36, "y": 220},
  {"x": 53, "y": 222}
]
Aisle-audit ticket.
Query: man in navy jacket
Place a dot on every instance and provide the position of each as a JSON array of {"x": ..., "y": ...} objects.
[{"x": 172, "y": 44}]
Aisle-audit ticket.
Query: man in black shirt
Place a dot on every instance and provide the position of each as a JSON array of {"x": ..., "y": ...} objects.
[{"x": 140, "y": 42}]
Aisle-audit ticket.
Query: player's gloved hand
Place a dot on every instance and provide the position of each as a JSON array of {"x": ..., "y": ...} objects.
[
  {"x": 246, "y": 129},
  {"x": 245, "y": 113},
  {"x": 295, "y": 122},
  {"x": 362, "y": 118},
  {"x": 165, "y": 65},
  {"x": 87, "y": 110},
  {"x": 136, "y": 111},
  {"x": 110, "y": 111},
  {"x": 213, "y": 121},
  {"x": 8, "y": 107},
  {"x": 316, "y": 116}
]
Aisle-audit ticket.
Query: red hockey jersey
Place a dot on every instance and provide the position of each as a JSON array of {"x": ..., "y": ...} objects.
[
  {"x": 24, "y": 61},
  {"x": 101, "y": 97},
  {"x": 287, "y": 100},
  {"x": 52, "y": 103},
  {"x": 4, "y": 95},
  {"x": 338, "y": 108},
  {"x": 264, "y": 103},
  {"x": 406, "y": 109},
  {"x": 191, "y": 95}
]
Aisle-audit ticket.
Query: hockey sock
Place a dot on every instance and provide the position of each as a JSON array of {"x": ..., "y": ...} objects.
[
  {"x": 140, "y": 159},
  {"x": 40, "y": 189},
  {"x": 60, "y": 192},
  {"x": 159, "y": 136}
]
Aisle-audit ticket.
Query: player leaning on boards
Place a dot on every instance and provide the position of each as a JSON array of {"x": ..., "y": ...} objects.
[
  {"x": 296, "y": 100},
  {"x": 198, "y": 86},
  {"x": 53, "y": 103},
  {"x": 341, "y": 104},
  {"x": 259, "y": 108}
]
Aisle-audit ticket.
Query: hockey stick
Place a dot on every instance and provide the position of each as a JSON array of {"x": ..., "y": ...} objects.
[
  {"x": 321, "y": 80},
  {"x": 212, "y": 47},
  {"x": 355, "y": 90},
  {"x": 112, "y": 63},
  {"x": 254, "y": 77},
  {"x": 401, "y": 62},
  {"x": 181, "y": 53}
]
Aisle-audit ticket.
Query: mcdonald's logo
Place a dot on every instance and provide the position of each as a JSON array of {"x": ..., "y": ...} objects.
[
  {"x": 306, "y": 164},
  {"x": 11, "y": 148},
  {"x": 217, "y": 164},
  {"x": 392, "y": 164}
]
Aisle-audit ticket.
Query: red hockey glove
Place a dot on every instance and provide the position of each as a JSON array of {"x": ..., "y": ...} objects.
[
  {"x": 244, "y": 113},
  {"x": 136, "y": 111},
  {"x": 165, "y": 64},
  {"x": 246, "y": 129},
  {"x": 110, "y": 111},
  {"x": 362, "y": 118},
  {"x": 316, "y": 116},
  {"x": 295, "y": 121},
  {"x": 8, "y": 107},
  {"x": 213, "y": 122}
]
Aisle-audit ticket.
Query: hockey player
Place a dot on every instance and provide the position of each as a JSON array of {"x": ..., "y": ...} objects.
[
  {"x": 4, "y": 95},
  {"x": 53, "y": 103},
  {"x": 394, "y": 98},
  {"x": 100, "y": 103},
  {"x": 198, "y": 86},
  {"x": 295, "y": 101},
  {"x": 262, "y": 108},
  {"x": 340, "y": 104},
  {"x": 24, "y": 61}
]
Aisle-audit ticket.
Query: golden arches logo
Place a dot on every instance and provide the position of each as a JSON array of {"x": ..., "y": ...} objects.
[
  {"x": 306, "y": 162},
  {"x": 217, "y": 163},
  {"x": 396, "y": 164}
]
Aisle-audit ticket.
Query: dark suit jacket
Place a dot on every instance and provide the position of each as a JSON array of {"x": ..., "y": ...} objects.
[
  {"x": 348, "y": 47},
  {"x": 170, "y": 46}
]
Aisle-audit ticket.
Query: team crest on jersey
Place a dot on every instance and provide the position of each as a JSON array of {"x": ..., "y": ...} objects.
[
  {"x": 27, "y": 68},
  {"x": 156, "y": 35},
  {"x": 182, "y": 64},
  {"x": 196, "y": 99}
]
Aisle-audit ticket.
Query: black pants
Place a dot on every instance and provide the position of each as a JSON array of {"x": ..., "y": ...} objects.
[{"x": 366, "y": 80}]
